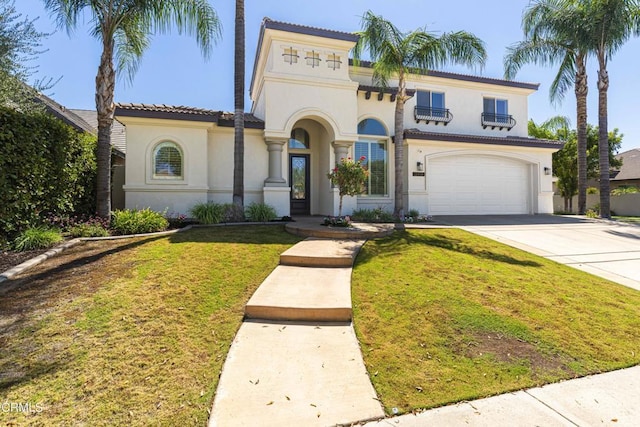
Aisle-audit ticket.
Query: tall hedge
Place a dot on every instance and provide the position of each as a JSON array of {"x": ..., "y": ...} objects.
[{"x": 46, "y": 168}]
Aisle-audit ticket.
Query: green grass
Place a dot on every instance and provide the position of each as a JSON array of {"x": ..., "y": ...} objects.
[
  {"x": 630, "y": 219},
  {"x": 444, "y": 316},
  {"x": 133, "y": 335}
]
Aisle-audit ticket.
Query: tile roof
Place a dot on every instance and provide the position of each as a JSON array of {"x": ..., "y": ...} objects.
[
  {"x": 311, "y": 31},
  {"x": 479, "y": 139},
  {"x": 462, "y": 77},
  {"x": 630, "y": 168},
  {"x": 170, "y": 112}
]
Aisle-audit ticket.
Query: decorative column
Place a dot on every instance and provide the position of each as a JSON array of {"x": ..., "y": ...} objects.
[
  {"x": 275, "y": 179},
  {"x": 276, "y": 192},
  {"x": 341, "y": 149}
]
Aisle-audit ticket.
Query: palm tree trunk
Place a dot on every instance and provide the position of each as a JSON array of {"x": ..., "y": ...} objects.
[
  {"x": 603, "y": 137},
  {"x": 238, "y": 119},
  {"x": 398, "y": 210},
  {"x": 581, "y": 90},
  {"x": 105, "y": 87}
]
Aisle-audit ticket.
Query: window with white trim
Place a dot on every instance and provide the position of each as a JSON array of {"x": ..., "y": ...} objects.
[
  {"x": 496, "y": 110},
  {"x": 375, "y": 151},
  {"x": 167, "y": 161}
]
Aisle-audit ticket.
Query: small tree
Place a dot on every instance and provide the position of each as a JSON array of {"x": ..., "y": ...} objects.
[{"x": 350, "y": 177}]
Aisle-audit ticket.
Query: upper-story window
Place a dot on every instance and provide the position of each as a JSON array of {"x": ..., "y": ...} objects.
[
  {"x": 313, "y": 58},
  {"x": 299, "y": 139},
  {"x": 373, "y": 146},
  {"x": 290, "y": 55},
  {"x": 167, "y": 161},
  {"x": 495, "y": 113},
  {"x": 333, "y": 61},
  {"x": 430, "y": 106}
]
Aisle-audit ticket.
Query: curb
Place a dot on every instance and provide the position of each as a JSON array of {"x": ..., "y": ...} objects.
[{"x": 58, "y": 249}]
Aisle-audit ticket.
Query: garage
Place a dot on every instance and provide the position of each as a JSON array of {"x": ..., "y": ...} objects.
[{"x": 478, "y": 185}]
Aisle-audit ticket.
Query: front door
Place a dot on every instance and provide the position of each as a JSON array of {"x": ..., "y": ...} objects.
[{"x": 299, "y": 180}]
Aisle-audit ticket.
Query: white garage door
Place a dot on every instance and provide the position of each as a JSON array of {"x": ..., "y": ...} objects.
[{"x": 478, "y": 185}]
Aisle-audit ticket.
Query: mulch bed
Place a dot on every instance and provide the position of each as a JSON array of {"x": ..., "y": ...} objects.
[{"x": 10, "y": 259}]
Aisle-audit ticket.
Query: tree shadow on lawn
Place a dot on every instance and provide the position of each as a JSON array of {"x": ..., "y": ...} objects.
[
  {"x": 236, "y": 234},
  {"x": 27, "y": 300},
  {"x": 401, "y": 239}
]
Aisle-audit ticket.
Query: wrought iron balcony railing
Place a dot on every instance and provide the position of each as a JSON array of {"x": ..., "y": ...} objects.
[
  {"x": 501, "y": 121},
  {"x": 429, "y": 114}
]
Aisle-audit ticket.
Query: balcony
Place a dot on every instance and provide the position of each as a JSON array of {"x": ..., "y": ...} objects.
[
  {"x": 429, "y": 114},
  {"x": 500, "y": 121}
]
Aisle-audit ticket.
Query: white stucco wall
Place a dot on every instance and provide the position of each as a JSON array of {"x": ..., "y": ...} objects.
[
  {"x": 464, "y": 99},
  {"x": 170, "y": 195}
]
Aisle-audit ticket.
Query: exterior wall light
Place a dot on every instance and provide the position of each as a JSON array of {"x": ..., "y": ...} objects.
[
  {"x": 547, "y": 171},
  {"x": 419, "y": 167}
]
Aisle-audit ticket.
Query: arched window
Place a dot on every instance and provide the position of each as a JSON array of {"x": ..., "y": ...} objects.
[
  {"x": 167, "y": 161},
  {"x": 371, "y": 127},
  {"x": 299, "y": 139},
  {"x": 373, "y": 146}
]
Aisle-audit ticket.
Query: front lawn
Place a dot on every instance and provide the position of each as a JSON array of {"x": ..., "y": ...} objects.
[
  {"x": 443, "y": 316},
  {"x": 130, "y": 332}
]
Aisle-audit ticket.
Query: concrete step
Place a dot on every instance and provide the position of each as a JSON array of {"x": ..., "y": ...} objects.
[
  {"x": 314, "y": 252},
  {"x": 293, "y": 374},
  {"x": 303, "y": 294}
]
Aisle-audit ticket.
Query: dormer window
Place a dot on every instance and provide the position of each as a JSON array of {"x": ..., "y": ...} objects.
[
  {"x": 290, "y": 55},
  {"x": 313, "y": 58},
  {"x": 333, "y": 61}
]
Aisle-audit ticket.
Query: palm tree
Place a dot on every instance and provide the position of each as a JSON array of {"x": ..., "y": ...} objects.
[
  {"x": 395, "y": 54},
  {"x": 613, "y": 22},
  {"x": 238, "y": 119},
  {"x": 555, "y": 33},
  {"x": 124, "y": 28}
]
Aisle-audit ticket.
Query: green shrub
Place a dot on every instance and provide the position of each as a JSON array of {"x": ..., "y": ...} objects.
[
  {"x": 260, "y": 212},
  {"x": 37, "y": 238},
  {"x": 138, "y": 221},
  {"x": 88, "y": 230},
  {"x": 624, "y": 190},
  {"x": 372, "y": 215},
  {"x": 590, "y": 213},
  {"x": 413, "y": 213},
  {"x": 208, "y": 213},
  {"x": 47, "y": 167},
  {"x": 592, "y": 190}
]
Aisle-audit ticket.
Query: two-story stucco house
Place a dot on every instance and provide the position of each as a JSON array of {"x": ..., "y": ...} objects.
[{"x": 467, "y": 149}]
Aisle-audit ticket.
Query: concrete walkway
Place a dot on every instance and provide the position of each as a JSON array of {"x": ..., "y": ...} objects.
[{"x": 296, "y": 359}]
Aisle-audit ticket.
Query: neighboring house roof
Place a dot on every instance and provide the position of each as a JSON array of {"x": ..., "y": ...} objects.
[
  {"x": 630, "y": 168},
  {"x": 66, "y": 115},
  {"x": 478, "y": 139},
  {"x": 462, "y": 77},
  {"x": 170, "y": 112},
  {"x": 118, "y": 131},
  {"x": 85, "y": 121}
]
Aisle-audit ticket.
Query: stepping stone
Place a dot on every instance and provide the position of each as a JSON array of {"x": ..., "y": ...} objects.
[
  {"x": 303, "y": 294},
  {"x": 322, "y": 253}
]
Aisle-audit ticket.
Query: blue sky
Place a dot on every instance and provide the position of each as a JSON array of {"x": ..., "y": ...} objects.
[{"x": 174, "y": 72}]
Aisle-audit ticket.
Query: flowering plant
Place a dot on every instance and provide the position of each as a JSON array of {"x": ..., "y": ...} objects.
[
  {"x": 337, "y": 221},
  {"x": 349, "y": 176}
]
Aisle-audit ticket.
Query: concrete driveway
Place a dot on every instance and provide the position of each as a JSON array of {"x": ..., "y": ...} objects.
[{"x": 605, "y": 248}]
